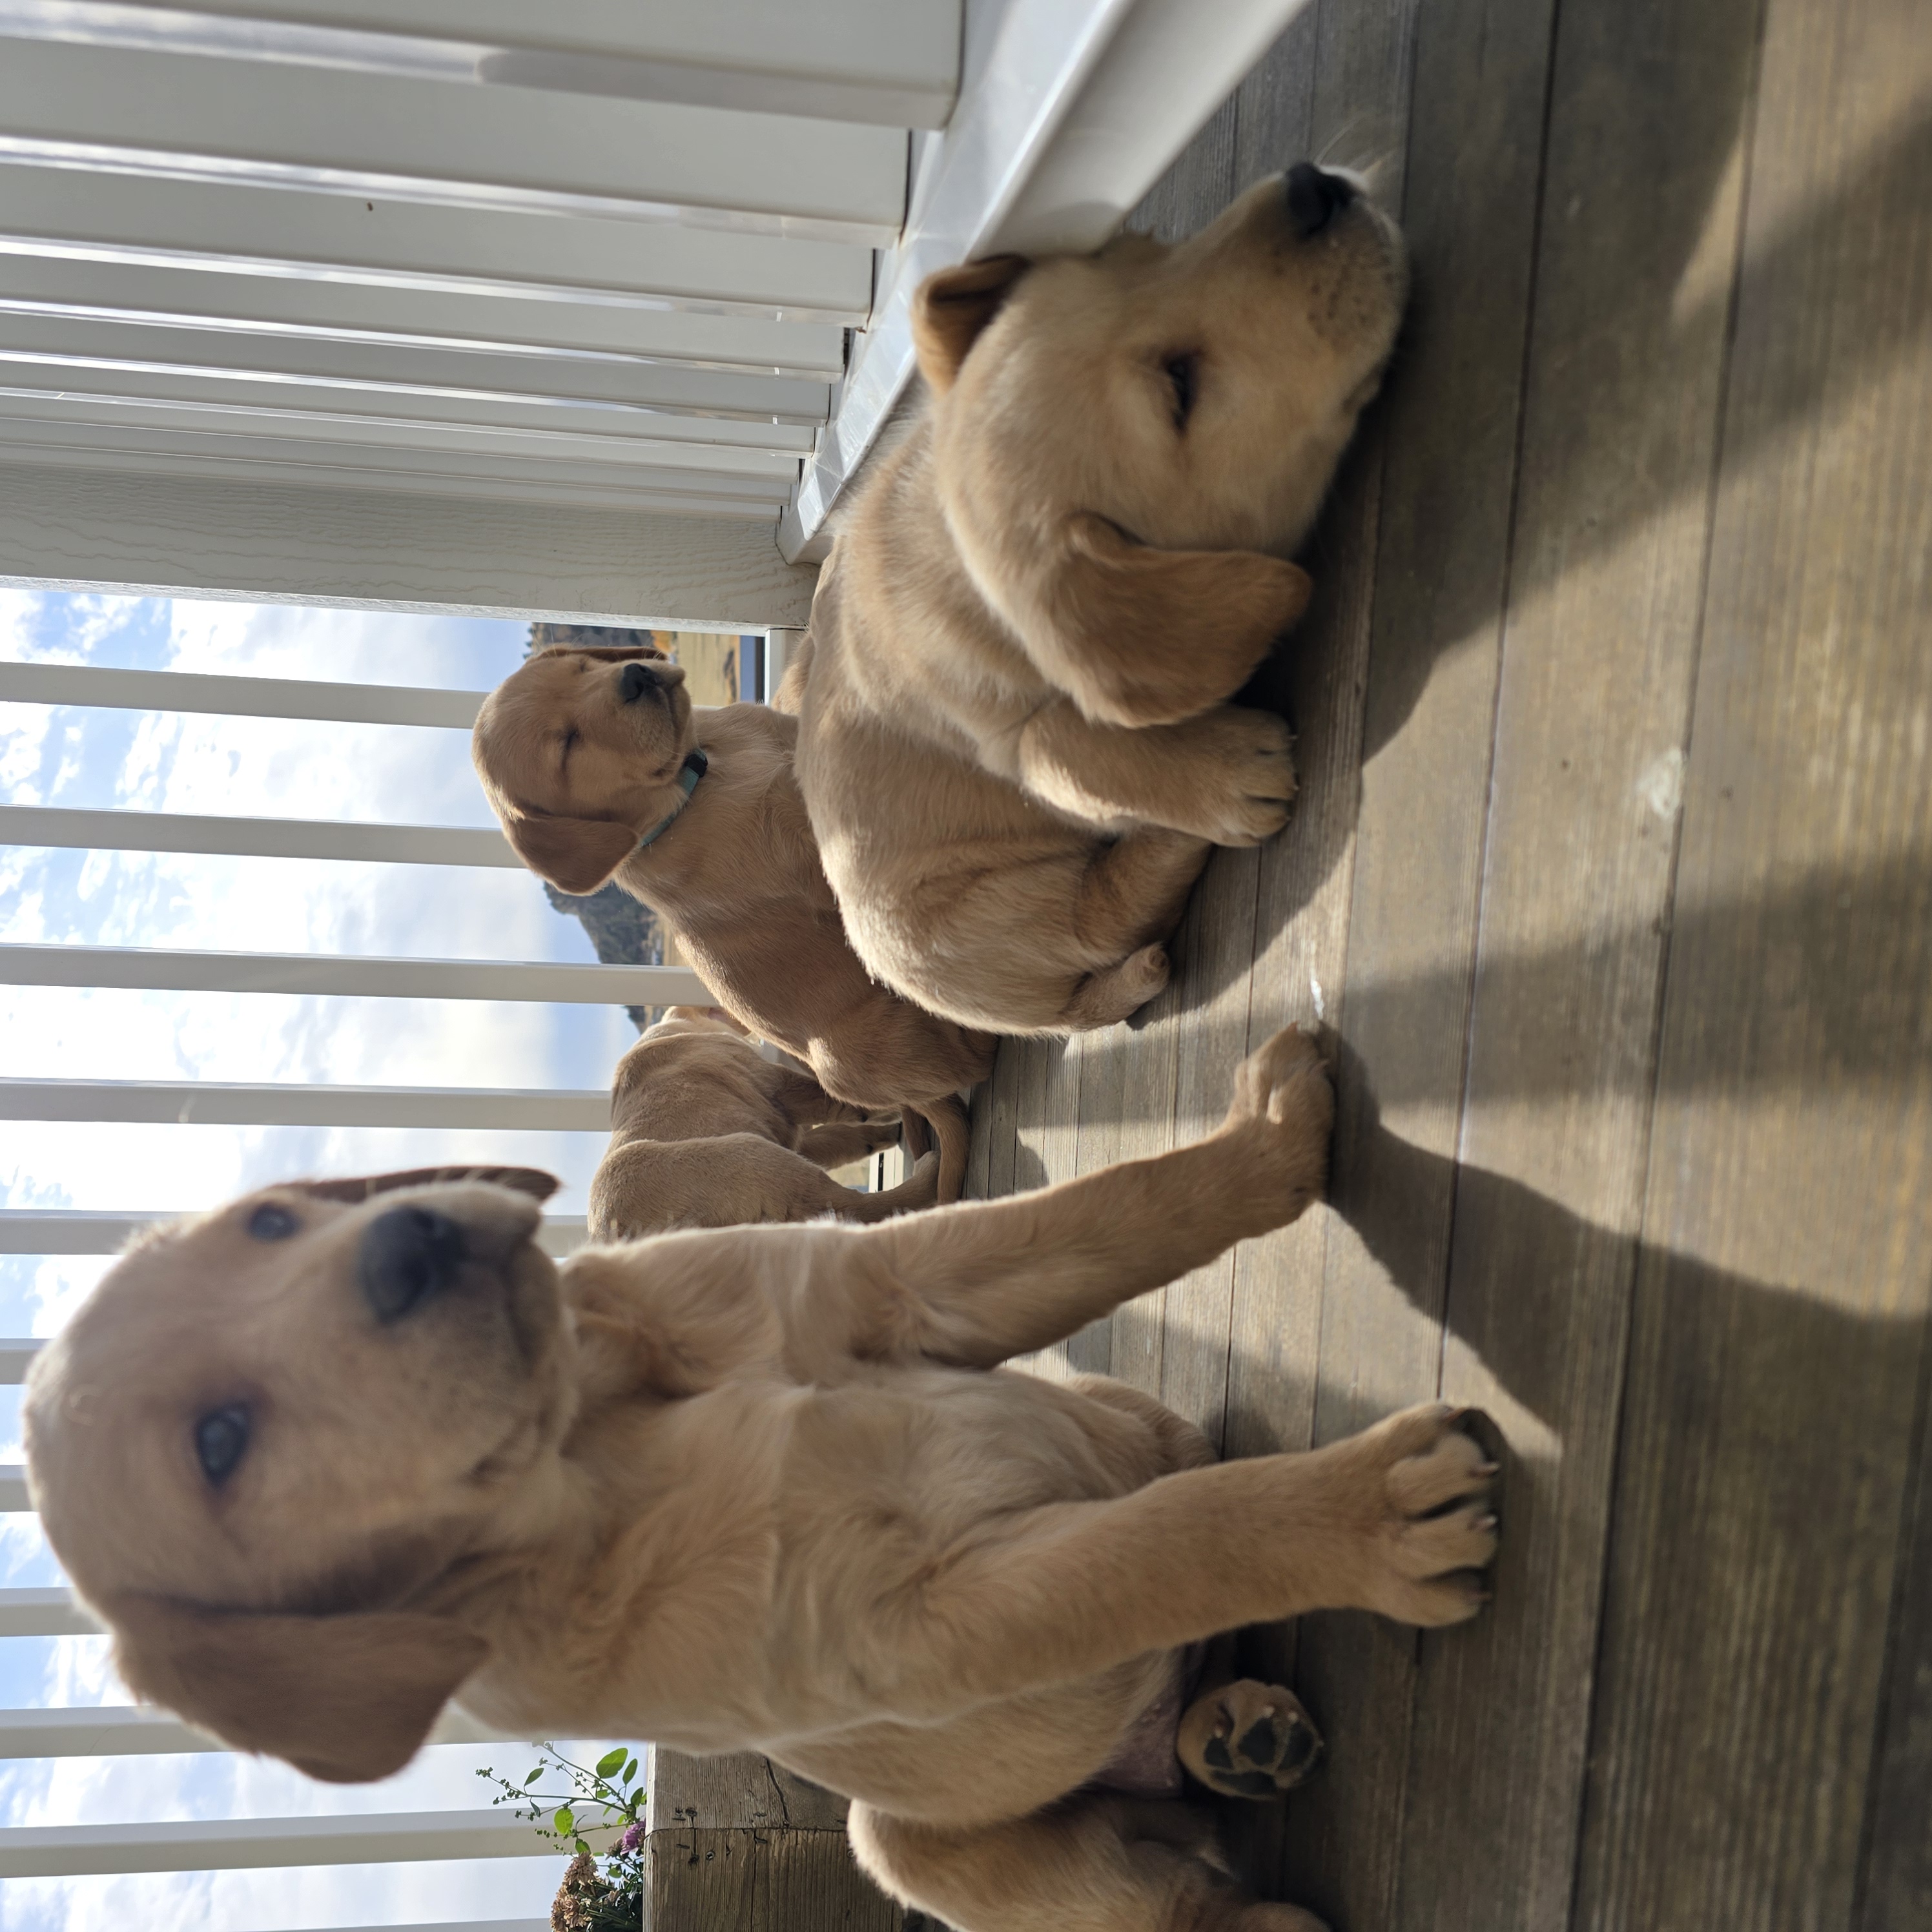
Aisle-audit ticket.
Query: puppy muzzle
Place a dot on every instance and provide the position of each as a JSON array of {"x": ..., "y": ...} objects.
[
  {"x": 408, "y": 1255},
  {"x": 1314, "y": 198}
]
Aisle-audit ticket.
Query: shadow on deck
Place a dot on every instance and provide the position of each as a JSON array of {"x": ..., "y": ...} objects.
[{"x": 1612, "y": 871}]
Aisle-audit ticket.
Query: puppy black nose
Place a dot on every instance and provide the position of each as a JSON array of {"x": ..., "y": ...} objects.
[
  {"x": 407, "y": 1255},
  {"x": 1315, "y": 199},
  {"x": 637, "y": 680}
]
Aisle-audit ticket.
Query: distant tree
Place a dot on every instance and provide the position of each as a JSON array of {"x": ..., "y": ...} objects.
[
  {"x": 546, "y": 633},
  {"x": 622, "y": 933}
]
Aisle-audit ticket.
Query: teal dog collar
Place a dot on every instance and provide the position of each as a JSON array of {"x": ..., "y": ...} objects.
[{"x": 695, "y": 765}]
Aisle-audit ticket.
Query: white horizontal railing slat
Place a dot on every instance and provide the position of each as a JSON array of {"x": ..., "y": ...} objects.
[
  {"x": 141, "y": 449},
  {"x": 253, "y": 838},
  {"x": 460, "y": 252},
  {"x": 235, "y": 1104},
  {"x": 63, "y": 347},
  {"x": 14, "y": 1497},
  {"x": 892, "y": 62},
  {"x": 237, "y": 697},
  {"x": 152, "y": 969},
  {"x": 135, "y": 1730},
  {"x": 193, "y": 536},
  {"x": 326, "y": 310},
  {"x": 744, "y": 449},
  {"x": 74, "y": 1231},
  {"x": 451, "y": 1925},
  {"x": 384, "y": 137},
  {"x": 61, "y": 1851},
  {"x": 43, "y": 1613},
  {"x": 353, "y": 431}
]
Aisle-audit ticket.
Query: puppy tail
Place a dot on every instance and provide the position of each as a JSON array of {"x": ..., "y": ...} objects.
[
  {"x": 953, "y": 1135},
  {"x": 789, "y": 695}
]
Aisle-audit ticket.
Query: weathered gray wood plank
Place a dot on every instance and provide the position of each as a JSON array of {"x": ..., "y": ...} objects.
[
  {"x": 703, "y": 1879},
  {"x": 1779, "y": 1318},
  {"x": 1198, "y": 185},
  {"x": 1620, "y": 423},
  {"x": 1897, "y": 1882},
  {"x": 1422, "y": 567},
  {"x": 742, "y": 1790},
  {"x": 739, "y": 1844}
]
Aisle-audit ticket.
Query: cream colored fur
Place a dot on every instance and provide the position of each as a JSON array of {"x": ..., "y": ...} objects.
[
  {"x": 706, "y": 1132},
  {"x": 1016, "y": 742},
  {"x": 746, "y": 1488},
  {"x": 577, "y": 772}
]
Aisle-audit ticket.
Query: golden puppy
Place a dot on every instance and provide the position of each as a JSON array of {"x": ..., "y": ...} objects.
[
  {"x": 326, "y": 1458},
  {"x": 1015, "y": 742},
  {"x": 598, "y": 766},
  {"x": 707, "y": 1133}
]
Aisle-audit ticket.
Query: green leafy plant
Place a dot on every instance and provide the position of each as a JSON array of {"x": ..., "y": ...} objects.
[{"x": 607, "y": 1795}]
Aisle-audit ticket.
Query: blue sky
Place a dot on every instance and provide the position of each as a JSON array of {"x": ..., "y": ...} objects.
[{"x": 172, "y": 762}]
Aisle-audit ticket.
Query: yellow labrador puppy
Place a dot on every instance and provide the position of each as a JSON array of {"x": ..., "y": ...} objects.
[
  {"x": 706, "y": 1132},
  {"x": 599, "y": 766},
  {"x": 327, "y": 1457},
  {"x": 1015, "y": 741}
]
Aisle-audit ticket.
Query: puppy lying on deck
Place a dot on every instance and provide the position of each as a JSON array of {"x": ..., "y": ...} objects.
[
  {"x": 707, "y": 1133},
  {"x": 1015, "y": 741},
  {"x": 327, "y": 1457},
  {"x": 597, "y": 765}
]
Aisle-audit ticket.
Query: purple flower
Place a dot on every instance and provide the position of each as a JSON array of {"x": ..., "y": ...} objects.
[{"x": 634, "y": 1836}]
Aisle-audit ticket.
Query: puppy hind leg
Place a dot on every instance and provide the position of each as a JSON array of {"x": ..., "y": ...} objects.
[
  {"x": 1090, "y": 1864},
  {"x": 1182, "y": 1444},
  {"x": 1135, "y": 890},
  {"x": 1130, "y": 899},
  {"x": 1118, "y": 992},
  {"x": 1244, "y": 1738}
]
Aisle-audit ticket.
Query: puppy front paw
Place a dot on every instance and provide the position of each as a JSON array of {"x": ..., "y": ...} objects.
[
  {"x": 1248, "y": 1740},
  {"x": 1247, "y": 776},
  {"x": 1423, "y": 1486},
  {"x": 1283, "y": 1112}
]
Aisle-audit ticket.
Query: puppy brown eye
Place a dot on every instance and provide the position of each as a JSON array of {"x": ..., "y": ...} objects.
[
  {"x": 220, "y": 1438},
  {"x": 1183, "y": 373},
  {"x": 272, "y": 1222}
]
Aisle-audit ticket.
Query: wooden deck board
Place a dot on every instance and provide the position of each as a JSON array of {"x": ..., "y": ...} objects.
[
  {"x": 1611, "y": 870},
  {"x": 1605, "y": 555},
  {"x": 1775, "y": 1389}
]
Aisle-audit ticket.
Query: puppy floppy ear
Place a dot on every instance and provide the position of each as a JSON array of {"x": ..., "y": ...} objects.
[
  {"x": 346, "y": 1699},
  {"x": 530, "y": 1180},
  {"x": 576, "y": 855},
  {"x": 952, "y": 307},
  {"x": 1139, "y": 636}
]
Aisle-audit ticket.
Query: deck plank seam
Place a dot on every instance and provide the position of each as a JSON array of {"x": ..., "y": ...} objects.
[
  {"x": 1918, "y": 1502},
  {"x": 1612, "y": 1516}
]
